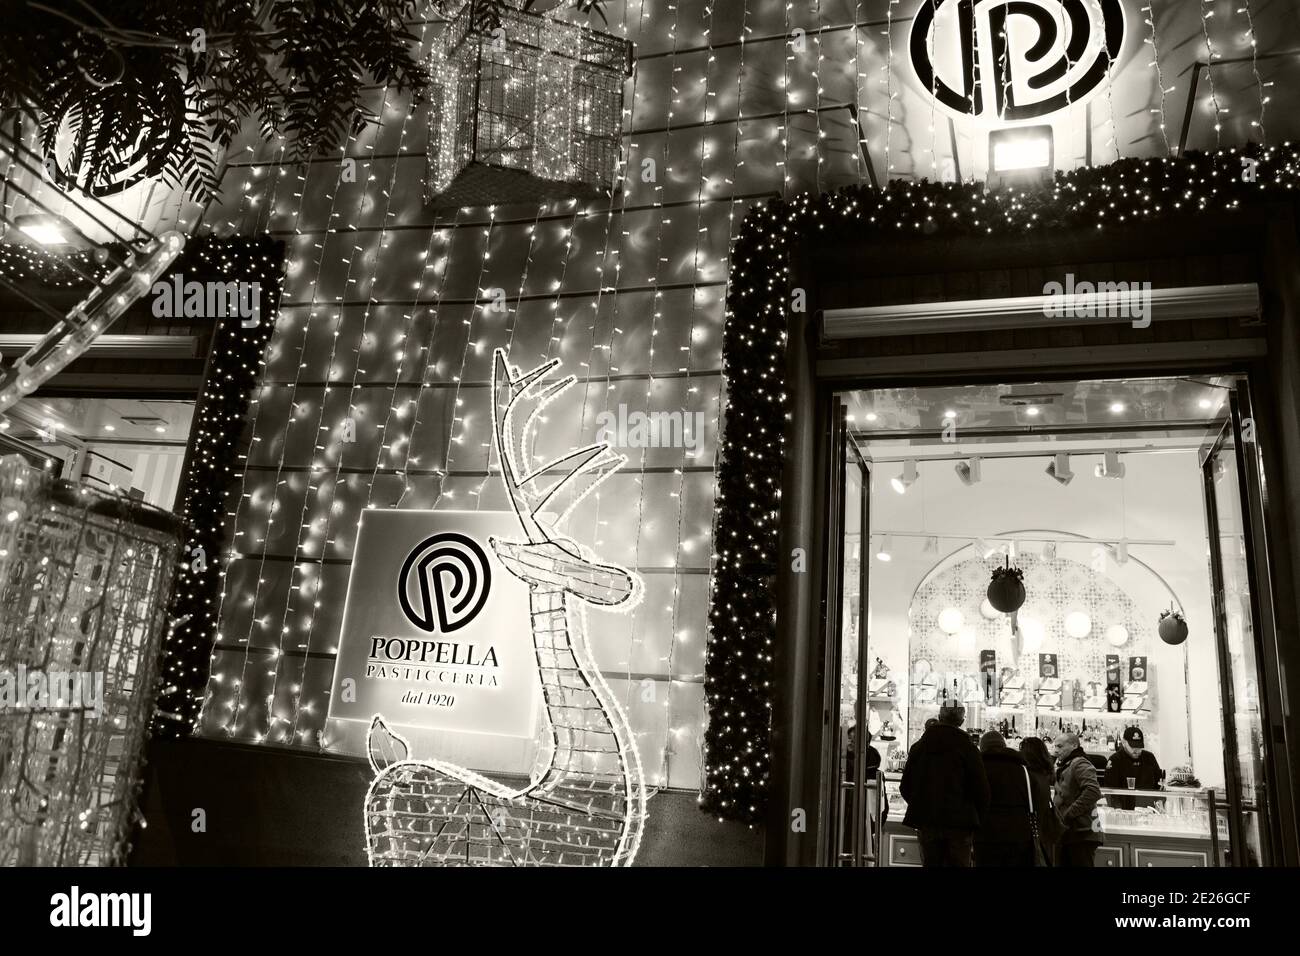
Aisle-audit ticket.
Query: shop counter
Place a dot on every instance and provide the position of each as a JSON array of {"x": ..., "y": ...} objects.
[{"x": 1171, "y": 829}]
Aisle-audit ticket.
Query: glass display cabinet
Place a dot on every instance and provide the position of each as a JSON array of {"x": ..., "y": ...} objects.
[{"x": 1180, "y": 826}]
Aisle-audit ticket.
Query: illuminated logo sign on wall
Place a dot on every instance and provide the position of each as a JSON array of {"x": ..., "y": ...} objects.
[
  {"x": 432, "y": 639},
  {"x": 1008, "y": 60},
  {"x": 444, "y": 582}
]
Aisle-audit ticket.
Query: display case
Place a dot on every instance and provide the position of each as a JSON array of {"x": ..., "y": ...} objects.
[{"x": 1180, "y": 826}]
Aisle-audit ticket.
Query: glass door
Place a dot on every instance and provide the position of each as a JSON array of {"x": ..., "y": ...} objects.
[
  {"x": 1236, "y": 615},
  {"x": 856, "y": 837}
]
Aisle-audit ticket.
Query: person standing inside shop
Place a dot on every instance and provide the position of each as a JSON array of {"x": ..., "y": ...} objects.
[
  {"x": 946, "y": 790},
  {"x": 1077, "y": 793},
  {"x": 1132, "y": 767},
  {"x": 1005, "y": 837},
  {"x": 1039, "y": 763}
]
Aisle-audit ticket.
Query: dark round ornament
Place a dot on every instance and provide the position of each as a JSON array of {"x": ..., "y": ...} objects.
[
  {"x": 1173, "y": 630},
  {"x": 1006, "y": 593}
]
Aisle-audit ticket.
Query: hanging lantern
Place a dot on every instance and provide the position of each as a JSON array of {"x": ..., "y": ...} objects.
[
  {"x": 1172, "y": 627},
  {"x": 1007, "y": 588}
]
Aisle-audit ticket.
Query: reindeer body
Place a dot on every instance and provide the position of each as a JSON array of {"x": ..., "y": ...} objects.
[{"x": 584, "y": 804}]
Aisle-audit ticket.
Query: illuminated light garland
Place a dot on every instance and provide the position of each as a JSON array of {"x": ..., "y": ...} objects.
[
  {"x": 1254, "y": 68},
  {"x": 1150, "y": 21},
  {"x": 235, "y": 369},
  {"x": 742, "y": 611},
  {"x": 585, "y": 796},
  {"x": 1210, "y": 57}
]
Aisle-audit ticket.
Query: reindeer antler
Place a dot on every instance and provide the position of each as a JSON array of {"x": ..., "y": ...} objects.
[{"x": 509, "y": 389}]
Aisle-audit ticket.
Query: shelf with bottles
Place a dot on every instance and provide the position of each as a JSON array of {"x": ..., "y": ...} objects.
[
  {"x": 1126, "y": 715},
  {"x": 935, "y": 705}
]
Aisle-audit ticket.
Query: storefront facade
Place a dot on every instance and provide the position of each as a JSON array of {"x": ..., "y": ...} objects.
[{"x": 870, "y": 404}]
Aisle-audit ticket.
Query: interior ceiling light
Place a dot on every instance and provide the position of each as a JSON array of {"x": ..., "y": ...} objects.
[
  {"x": 1049, "y": 551},
  {"x": 931, "y": 545},
  {"x": 1059, "y": 469},
  {"x": 1032, "y": 411},
  {"x": 144, "y": 420},
  {"x": 1117, "y": 408},
  {"x": 883, "y": 554},
  {"x": 1205, "y": 403},
  {"x": 1121, "y": 551},
  {"x": 1111, "y": 467},
  {"x": 983, "y": 548},
  {"x": 908, "y": 478},
  {"x": 871, "y": 416},
  {"x": 968, "y": 471},
  {"x": 949, "y": 413}
]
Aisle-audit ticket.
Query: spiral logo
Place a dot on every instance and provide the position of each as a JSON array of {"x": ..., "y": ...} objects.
[
  {"x": 444, "y": 582},
  {"x": 1012, "y": 60}
]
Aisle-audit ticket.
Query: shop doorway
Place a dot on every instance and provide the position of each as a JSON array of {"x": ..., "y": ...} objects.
[{"x": 1126, "y": 506}]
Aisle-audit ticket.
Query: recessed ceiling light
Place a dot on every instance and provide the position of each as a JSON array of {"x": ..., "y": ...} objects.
[
  {"x": 1205, "y": 403},
  {"x": 1032, "y": 410},
  {"x": 871, "y": 416},
  {"x": 1117, "y": 407},
  {"x": 949, "y": 413},
  {"x": 110, "y": 428},
  {"x": 159, "y": 429}
]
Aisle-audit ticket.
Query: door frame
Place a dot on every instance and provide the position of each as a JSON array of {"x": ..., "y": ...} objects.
[{"x": 1105, "y": 362}]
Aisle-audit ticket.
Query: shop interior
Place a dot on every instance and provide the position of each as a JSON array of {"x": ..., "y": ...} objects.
[
  {"x": 133, "y": 446},
  {"x": 1119, "y": 502}
]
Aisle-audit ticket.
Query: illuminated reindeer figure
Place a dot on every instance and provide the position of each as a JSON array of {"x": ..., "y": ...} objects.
[{"x": 584, "y": 803}]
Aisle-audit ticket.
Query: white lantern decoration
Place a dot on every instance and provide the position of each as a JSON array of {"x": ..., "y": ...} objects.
[
  {"x": 1117, "y": 635},
  {"x": 1032, "y": 633},
  {"x": 988, "y": 611},
  {"x": 951, "y": 620},
  {"x": 1078, "y": 624}
]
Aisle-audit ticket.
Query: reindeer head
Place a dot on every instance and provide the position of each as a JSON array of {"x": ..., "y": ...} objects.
[{"x": 545, "y": 559}]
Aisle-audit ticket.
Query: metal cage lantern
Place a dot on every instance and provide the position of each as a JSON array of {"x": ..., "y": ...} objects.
[
  {"x": 85, "y": 578},
  {"x": 527, "y": 111}
]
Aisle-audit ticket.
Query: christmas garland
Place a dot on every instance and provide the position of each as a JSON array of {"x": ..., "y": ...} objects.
[
  {"x": 213, "y": 467},
  {"x": 742, "y": 611}
]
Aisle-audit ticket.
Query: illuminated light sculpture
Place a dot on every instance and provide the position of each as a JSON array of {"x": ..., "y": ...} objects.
[
  {"x": 584, "y": 803},
  {"x": 85, "y": 578},
  {"x": 527, "y": 111}
]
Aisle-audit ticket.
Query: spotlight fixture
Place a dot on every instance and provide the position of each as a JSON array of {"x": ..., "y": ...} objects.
[
  {"x": 1021, "y": 157},
  {"x": 907, "y": 478},
  {"x": 1121, "y": 551},
  {"x": 1049, "y": 551},
  {"x": 1117, "y": 408},
  {"x": 1111, "y": 467},
  {"x": 1059, "y": 469},
  {"x": 931, "y": 545},
  {"x": 1032, "y": 411},
  {"x": 883, "y": 554},
  {"x": 52, "y": 231},
  {"x": 949, "y": 413},
  {"x": 983, "y": 548},
  {"x": 968, "y": 471},
  {"x": 872, "y": 416}
]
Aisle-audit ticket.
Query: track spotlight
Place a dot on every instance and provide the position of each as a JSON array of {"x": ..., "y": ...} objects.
[
  {"x": 968, "y": 471},
  {"x": 906, "y": 479},
  {"x": 931, "y": 545},
  {"x": 1111, "y": 467},
  {"x": 883, "y": 554},
  {"x": 1121, "y": 551},
  {"x": 1049, "y": 551},
  {"x": 983, "y": 548},
  {"x": 1059, "y": 469}
]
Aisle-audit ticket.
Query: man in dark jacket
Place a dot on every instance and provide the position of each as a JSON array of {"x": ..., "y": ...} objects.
[
  {"x": 1077, "y": 793},
  {"x": 946, "y": 790},
  {"x": 1132, "y": 761},
  {"x": 1005, "y": 837}
]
